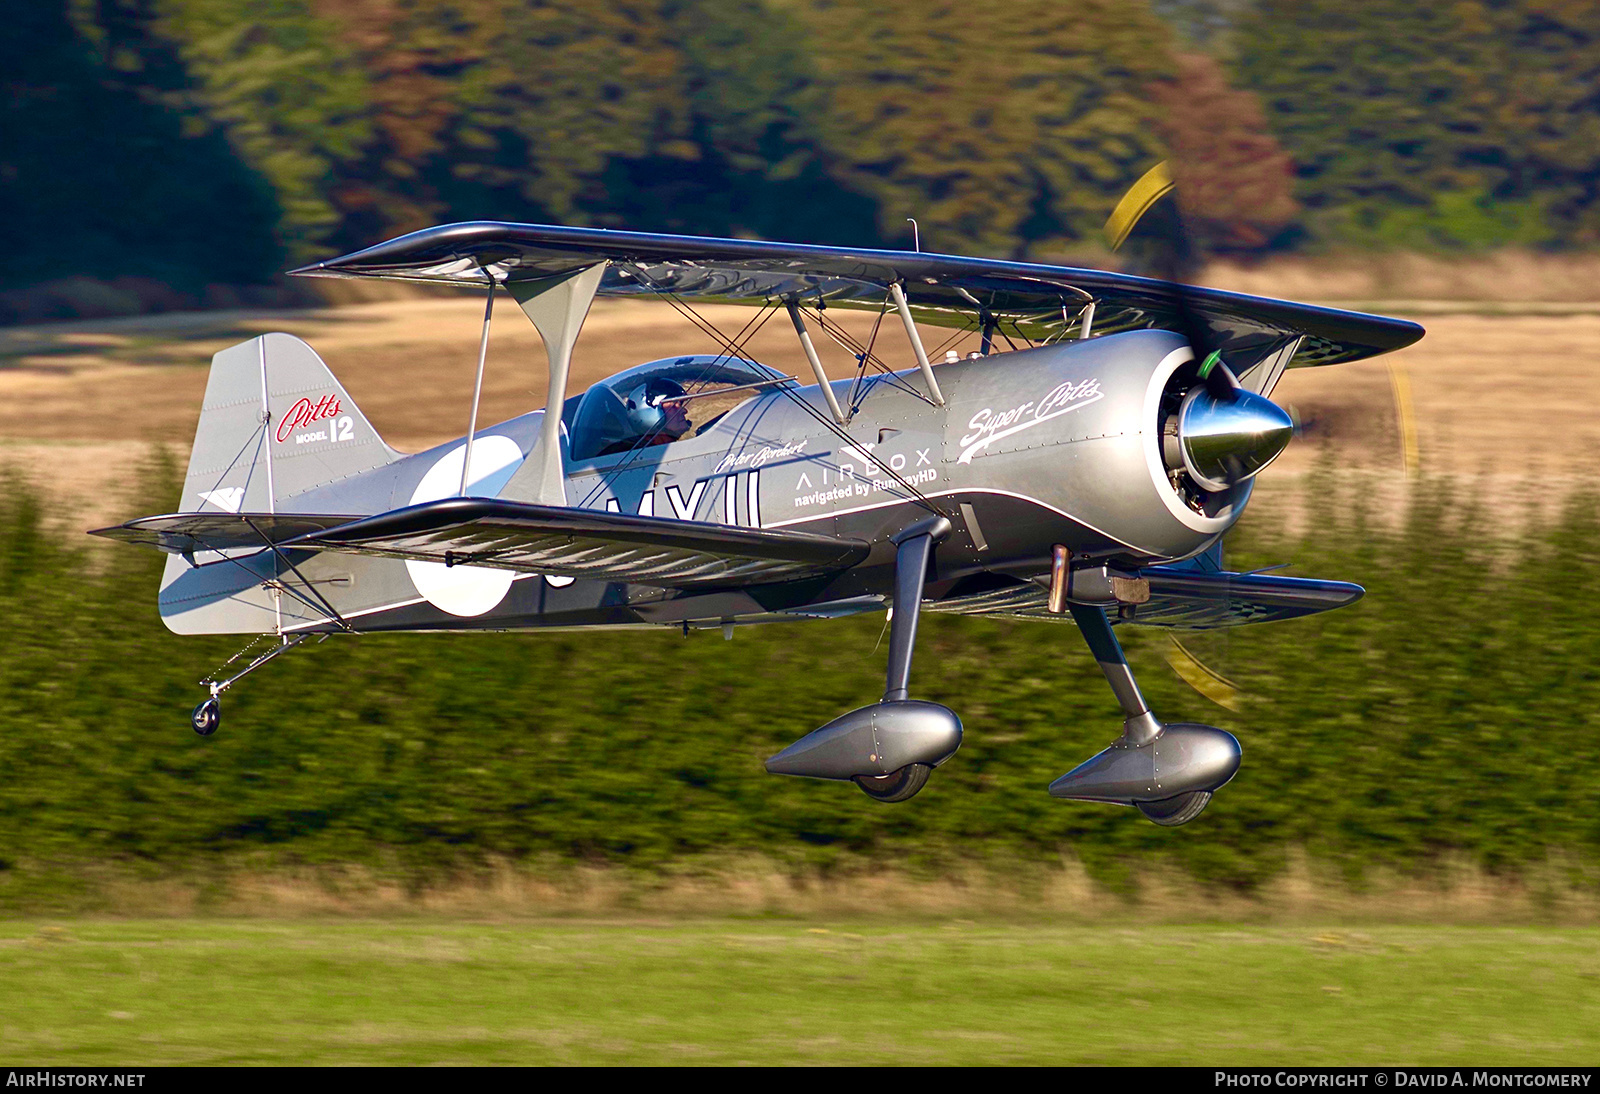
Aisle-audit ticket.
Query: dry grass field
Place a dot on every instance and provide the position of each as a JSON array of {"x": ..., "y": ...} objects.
[{"x": 1504, "y": 389}]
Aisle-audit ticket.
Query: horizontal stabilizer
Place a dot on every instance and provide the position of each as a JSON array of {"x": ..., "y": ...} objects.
[
  {"x": 186, "y": 533},
  {"x": 590, "y": 544}
]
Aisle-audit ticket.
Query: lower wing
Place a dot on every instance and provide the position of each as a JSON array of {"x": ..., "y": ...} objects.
[
  {"x": 579, "y": 543},
  {"x": 1180, "y": 598}
]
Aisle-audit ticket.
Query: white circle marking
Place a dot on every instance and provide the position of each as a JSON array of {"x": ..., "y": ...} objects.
[{"x": 466, "y": 590}]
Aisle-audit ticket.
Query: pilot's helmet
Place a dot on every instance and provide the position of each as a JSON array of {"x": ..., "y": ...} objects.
[{"x": 644, "y": 404}]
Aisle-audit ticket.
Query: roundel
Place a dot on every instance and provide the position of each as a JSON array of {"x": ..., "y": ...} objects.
[{"x": 465, "y": 590}]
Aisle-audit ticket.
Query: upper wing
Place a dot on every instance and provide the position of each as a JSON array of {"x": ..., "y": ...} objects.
[
  {"x": 944, "y": 290},
  {"x": 1181, "y": 598},
  {"x": 584, "y": 543}
]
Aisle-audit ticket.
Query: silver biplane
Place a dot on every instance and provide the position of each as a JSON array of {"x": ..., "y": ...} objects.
[{"x": 1082, "y": 465}]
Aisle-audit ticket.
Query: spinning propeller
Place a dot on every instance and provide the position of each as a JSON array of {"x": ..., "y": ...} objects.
[{"x": 1221, "y": 434}]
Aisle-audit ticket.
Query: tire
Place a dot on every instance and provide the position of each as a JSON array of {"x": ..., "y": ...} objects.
[
  {"x": 206, "y": 717},
  {"x": 897, "y": 786},
  {"x": 1171, "y": 812}
]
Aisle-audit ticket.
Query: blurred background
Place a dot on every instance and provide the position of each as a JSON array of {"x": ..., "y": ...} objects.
[
  {"x": 164, "y": 153},
  {"x": 1428, "y": 755}
]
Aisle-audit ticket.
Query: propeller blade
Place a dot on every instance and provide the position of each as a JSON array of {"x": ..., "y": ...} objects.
[
  {"x": 1400, "y": 383},
  {"x": 1152, "y": 186},
  {"x": 1208, "y": 682},
  {"x": 1227, "y": 434},
  {"x": 1166, "y": 253}
]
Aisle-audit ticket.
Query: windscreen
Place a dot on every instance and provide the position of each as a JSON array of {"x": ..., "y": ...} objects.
[{"x": 660, "y": 402}]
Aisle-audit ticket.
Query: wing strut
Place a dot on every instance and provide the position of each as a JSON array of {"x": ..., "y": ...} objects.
[
  {"x": 898, "y": 291},
  {"x": 557, "y": 306},
  {"x": 816, "y": 362},
  {"x": 477, "y": 388},
  {"x": 1263, "y": 376}
]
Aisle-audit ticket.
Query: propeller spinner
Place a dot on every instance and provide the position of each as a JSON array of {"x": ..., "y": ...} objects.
[{"x": 1225, "y": 438}]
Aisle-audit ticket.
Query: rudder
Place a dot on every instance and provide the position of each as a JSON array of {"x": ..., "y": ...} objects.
[{"x": 275, "y": 423}]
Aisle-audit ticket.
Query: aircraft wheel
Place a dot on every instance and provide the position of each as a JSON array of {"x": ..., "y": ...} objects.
[
  {"x": 206, "y": 717},
  {"x": 1171, "y": 812},
  {"x": 897, "y": 786}
]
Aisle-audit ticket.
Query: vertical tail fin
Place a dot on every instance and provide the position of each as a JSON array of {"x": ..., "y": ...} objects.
[{"x": 275, "y": 423}]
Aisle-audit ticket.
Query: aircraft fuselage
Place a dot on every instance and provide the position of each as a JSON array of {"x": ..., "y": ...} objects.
[{"x": 1059, "y": 444}]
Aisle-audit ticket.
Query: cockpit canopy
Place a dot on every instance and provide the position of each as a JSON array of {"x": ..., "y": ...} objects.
[{"x": 658, "y": 402}]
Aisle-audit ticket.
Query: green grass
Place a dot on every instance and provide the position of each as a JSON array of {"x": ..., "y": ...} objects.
[{"x": 419, "y": 992}]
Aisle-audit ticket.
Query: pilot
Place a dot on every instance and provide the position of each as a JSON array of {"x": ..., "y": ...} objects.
[{"x": 657, "y": 413}]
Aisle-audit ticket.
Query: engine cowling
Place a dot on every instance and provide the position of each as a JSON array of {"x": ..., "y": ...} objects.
[{"x": 1099, "y": 429}]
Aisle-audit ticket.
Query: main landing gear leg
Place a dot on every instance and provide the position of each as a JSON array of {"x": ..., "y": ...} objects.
[
  {"x": 207, "y": 717},
  {"x": 890, "y": 748},
  {"x": 1168, "y": 772}
]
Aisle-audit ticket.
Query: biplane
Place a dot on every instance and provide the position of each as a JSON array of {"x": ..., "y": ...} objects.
[{"x": 1080, "y": 465}]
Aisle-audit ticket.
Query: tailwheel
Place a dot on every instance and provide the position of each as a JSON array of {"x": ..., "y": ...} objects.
[
  {"x": 897, "y": 786},
  {"x": 206, "y": 717},
  {"x": 1171, "y": 812}
]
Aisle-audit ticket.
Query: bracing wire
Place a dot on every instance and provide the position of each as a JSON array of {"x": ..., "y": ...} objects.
[
  {"x": 864, "y": 355},
  {"x": 827, "y": 422},
  {"x": 969, "y": 327},
  {"x": 729, "y": 349},
  {"x": 853, "y": 399}
]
